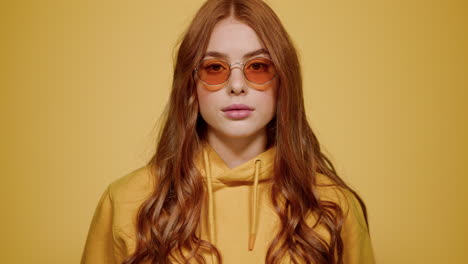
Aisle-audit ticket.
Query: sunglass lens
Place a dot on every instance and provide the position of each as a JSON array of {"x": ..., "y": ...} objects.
[
  {"x": 260, "y": 70},
  {"x": 213, "y": 71}
]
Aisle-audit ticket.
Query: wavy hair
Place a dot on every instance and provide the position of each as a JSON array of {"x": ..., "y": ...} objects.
[{"x": 167, "y": 221}]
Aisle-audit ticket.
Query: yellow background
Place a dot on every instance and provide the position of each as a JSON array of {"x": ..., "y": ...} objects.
[{"x": 83, "y": 83}]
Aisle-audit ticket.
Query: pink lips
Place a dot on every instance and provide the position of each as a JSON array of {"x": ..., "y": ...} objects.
[{"x": 237, "y": 111}]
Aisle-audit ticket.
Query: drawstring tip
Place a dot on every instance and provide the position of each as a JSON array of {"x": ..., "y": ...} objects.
[{"x": 251, "y": 242}]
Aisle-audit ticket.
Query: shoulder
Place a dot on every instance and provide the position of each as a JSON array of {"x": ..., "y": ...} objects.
[
  {"x": 354, "y": 232},
  {"x": 112, "y": 231},
  {"x": 328, "y": 190},
  {"x": 127, "y": 194},
  {"x": 133, "y": 186}
]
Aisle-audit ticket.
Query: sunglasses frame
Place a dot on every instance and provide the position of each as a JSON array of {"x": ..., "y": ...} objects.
[{"x": 230, "y": 70}]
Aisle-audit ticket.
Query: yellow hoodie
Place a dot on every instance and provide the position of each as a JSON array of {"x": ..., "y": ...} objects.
[{"x": 238, "y": 215}]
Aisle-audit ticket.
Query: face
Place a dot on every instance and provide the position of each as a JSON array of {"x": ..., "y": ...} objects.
[{"x": 235, "y": 39}]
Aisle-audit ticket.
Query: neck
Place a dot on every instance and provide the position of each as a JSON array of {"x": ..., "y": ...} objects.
[{"x": 236, "y": 151}]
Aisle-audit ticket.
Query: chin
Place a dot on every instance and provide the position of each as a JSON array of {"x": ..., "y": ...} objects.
[{"x": 239, "y": 133}]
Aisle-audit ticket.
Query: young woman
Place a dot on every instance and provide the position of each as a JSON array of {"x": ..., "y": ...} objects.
[{"x": 238, "y": 175}]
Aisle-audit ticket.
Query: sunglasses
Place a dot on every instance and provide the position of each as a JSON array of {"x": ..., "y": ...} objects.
[{"x": 215, "y": 72}]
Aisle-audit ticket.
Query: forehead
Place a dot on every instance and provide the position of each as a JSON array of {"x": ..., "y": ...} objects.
[{"x": 233, "y": 40}]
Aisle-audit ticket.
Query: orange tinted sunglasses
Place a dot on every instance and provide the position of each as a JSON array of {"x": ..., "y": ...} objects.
[{"x": 215, "y": 72}]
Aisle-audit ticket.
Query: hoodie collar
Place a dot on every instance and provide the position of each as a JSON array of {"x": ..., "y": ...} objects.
[
  {"x": 217, "y": 175},
  {"x": 243, "y": 174}
]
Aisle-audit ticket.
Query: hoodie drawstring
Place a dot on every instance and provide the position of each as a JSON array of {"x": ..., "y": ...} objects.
[
  {"x": 210, "y": 201},
  {"x": 253, "y": 215}
]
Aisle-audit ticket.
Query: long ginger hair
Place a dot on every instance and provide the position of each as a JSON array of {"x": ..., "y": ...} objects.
[{"x": 167, "y": 221}]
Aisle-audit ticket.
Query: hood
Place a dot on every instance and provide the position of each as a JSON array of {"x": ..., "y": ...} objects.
[{"x": 217, "y": 175}]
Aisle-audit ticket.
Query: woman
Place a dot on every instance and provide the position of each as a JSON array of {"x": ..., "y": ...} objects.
[{"x": 238, "y": 175}]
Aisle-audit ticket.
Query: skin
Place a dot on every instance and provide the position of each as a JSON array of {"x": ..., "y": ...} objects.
[{"x": 236, "y": 140}]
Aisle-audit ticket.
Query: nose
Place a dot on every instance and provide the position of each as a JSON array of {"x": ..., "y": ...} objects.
[{"x": 237, "y": 83}]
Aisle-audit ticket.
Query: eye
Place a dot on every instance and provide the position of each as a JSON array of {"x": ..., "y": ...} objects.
[
  {"x": 214, "y": 67},
  {"x": 258, "y": 65}
]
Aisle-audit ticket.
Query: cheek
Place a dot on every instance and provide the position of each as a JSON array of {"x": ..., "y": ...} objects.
[
  {"x": 272, "y": 103},
  {"x": 272, "y": 97},
  {"x": 202, "y": 93},
  {"x": 266, "y": 104},
  {"x": 206, "y": 101}
]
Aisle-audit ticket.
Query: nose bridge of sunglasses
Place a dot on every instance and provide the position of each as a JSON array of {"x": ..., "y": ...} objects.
[
  {"x": 232, "y": 67},
  {"x": 239, "y": 66}
]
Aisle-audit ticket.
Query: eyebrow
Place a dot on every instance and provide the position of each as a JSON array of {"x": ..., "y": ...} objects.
[{"x": 247, "y": 55}]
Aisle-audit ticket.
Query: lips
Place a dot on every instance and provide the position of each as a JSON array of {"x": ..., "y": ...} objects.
[{"x": 237, "y": 107}]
